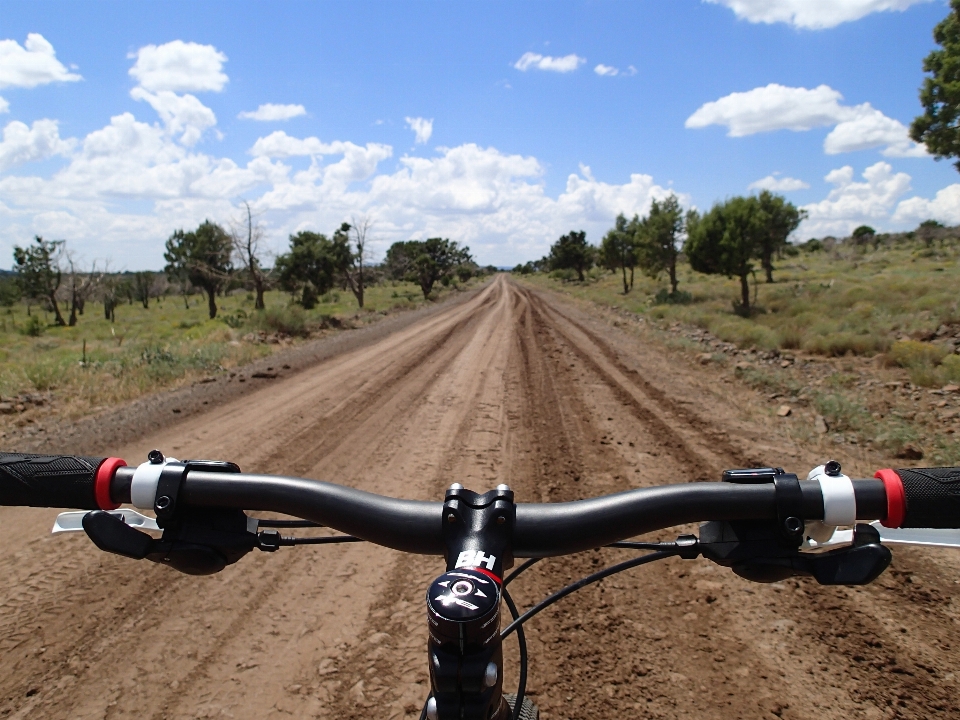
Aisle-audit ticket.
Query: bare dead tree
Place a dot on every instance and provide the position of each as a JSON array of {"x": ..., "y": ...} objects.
[
  {"x": 247, "y": 238},
  {"x": 81, "y": 285},
  {"x": 360, "y": 228}
]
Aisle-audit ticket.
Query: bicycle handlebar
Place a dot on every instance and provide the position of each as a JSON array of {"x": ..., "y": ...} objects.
[{"x": 930, "y": 498}]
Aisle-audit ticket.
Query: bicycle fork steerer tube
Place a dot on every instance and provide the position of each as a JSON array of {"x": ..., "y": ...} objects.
[{"x": 463, "y": 606}]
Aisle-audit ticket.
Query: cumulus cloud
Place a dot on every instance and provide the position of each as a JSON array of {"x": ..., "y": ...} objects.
[
  {"x": 22, "y": 143},
  {"x": 4, "y": 106},
  {"x": 868, "y": 128},
  {"x": 422, "y": 127},
  {"x": 778, "y": 184},
  {"x": 945, "y": 207},
  {"x": 179, "y": 67},
  {"x": 851, "y": 203},
  {"x": 773, "y": 107},
  {"x": 182, "y": 115},
  {"x": 606, "y": 70},
  {"x": 565, "y": 64},
  {"x": 493, "y": 201},
  {"x": 33, "y": 64},
  {"x": 270, "y": 112},
  {"x": 811, "y": 14},
  {"x": 776, "y": 107}
]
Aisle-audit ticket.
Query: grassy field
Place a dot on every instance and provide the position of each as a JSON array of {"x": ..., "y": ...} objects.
[
  {"x": 70, "y": 371},
  {"x": 865, "y": 340}
]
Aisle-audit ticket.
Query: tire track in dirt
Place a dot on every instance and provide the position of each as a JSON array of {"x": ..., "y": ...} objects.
[{"x": 844, "y": 629}]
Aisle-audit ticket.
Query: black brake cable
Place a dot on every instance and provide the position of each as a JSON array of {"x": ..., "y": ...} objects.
[
  {"x": 519, "y": 570},
  {"x": 583, "y": 582},
  {"x": 521, "y": 640},
  {"x": 627, "y": 545},
  {"x": 287, "y": 523},
  {"x": 319, "y": 540}
]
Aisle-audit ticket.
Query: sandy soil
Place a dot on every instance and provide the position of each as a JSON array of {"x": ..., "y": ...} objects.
[{"x": 513, "y": 385}]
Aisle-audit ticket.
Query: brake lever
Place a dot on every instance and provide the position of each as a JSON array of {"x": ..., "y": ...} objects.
[{"x": 202, "y": 541}]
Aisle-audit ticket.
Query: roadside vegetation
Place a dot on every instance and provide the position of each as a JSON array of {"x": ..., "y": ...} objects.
[
  {"x": 76, "y": 339},
  {"x": 861, "y": 335}
]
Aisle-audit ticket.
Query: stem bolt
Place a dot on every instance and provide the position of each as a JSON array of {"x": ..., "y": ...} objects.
[
  {"x": 451, "y": 518},
  {"x": 490, "y": 675}
]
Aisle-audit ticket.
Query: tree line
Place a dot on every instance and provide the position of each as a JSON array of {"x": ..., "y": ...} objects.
[
  {"x": 730, "y": 239},
  {"x": 212, "y": 260}
]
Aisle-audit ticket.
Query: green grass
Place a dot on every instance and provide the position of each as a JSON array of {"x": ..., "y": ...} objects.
[
  {"x": 831, "y": 304},
  {"x": 146, "y": 350}
]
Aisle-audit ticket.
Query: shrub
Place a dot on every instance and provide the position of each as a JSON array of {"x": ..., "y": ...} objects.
[
  {"x": 921, "y": 360},
  {"x": 842, "y": 413},
  {"x": 290, "y": 320},
  {"x": 841, "y": 343},
  {"x": 790, "y": 337},
  {"x": 235, "y": 320},
  {"x": 42, "y": 375},
  {"x": 665, "y": 297},
  {"x": 913, "y": 353},
  {"x": 34, "y": 327},
  {"x": 951, "y": 368}
]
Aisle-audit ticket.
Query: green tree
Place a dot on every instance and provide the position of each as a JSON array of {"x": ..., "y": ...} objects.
[
  {"x": 657, "y": 239},
  {"x": 863, "y": 235},
  {"x": 426, "y": 262},
  {"x": 781, "y": 218},
  {"x": 726, "y": 240},
  {"x": 617, "y": 250},
  {"x": 201, "y": 256},
  {"x": 572, "y": 252},
  {"x": 38, "y": 271},
  {"x": 10, "y": 292},
  {"x": 309, "y": 267},
  {"x": 939, "y": 126},
  {"x": 927, "y": 230}
]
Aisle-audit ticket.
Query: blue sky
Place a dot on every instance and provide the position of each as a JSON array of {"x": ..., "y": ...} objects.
[{"x": 501, "y": 125}]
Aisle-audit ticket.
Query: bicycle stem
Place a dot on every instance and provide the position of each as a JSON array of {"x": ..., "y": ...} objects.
[{"x": 463, "y": 606}]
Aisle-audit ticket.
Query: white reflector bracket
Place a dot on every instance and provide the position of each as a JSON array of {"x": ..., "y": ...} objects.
[{"x": 73, "y": 521}]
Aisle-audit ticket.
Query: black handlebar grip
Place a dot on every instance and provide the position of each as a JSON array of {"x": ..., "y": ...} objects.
[
  {"x": 49, "y": 480},
  {"x": 932, "y": 497}
]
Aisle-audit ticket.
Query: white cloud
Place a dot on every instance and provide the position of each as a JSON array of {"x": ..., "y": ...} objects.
[
  {"x": 945, "y": 207},
  {"x": 870, "y": 128},
  {"x": 181, "y": 114},
  {"x": 280, "y": 145},
  {"x": 179, "y": 67},
  {"x": 606, "y": 70},
  {"x": 565, "y": 64},
  {"x": 22, "y": 144},
  {"x": 850, "y": 203},
  {"x": 811, "y": 14},
  {"x": 776, "y": 107},
  {"x": 778, "y": 184},
  {"x": 270, "y": 112},
  {"x": 4, "y": 106},
  {"x": 495, "y": 202},
  {"x": 773, "y": 107},
  {"x": 422, "y": 127},
  {"x": 31, "y": 65}
]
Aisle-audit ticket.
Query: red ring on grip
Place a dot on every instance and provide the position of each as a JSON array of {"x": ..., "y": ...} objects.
[
  {"x": 896, "y": 498},
  {"x": 101, "y": 485}
]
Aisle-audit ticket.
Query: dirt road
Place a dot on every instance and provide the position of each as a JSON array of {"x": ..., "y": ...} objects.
[{"x": 512, "y": 386}]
